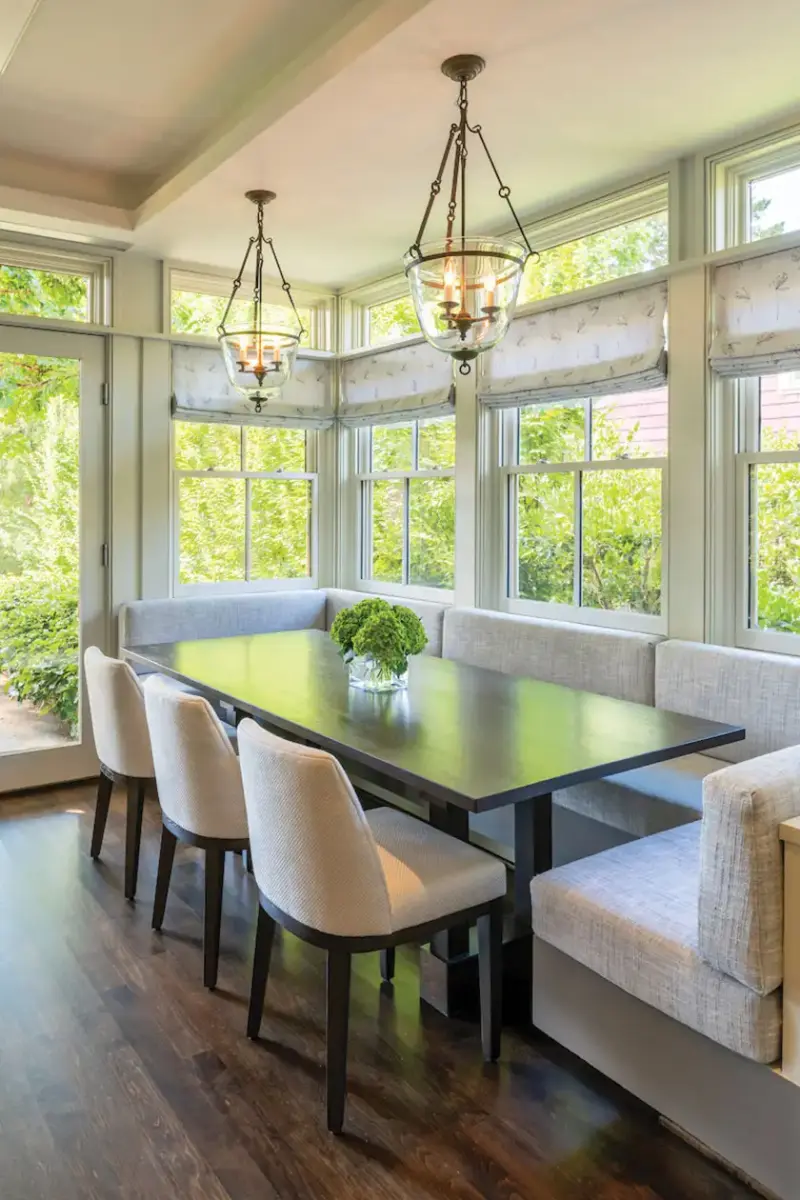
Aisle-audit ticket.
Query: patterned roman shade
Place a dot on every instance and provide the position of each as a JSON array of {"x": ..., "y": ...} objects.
[
  {"x": 201, "y": 391},
  {"x": 757, "y": 315},
  {"x": 401, "y": 383},
  {"x": 613, "y": 343}
]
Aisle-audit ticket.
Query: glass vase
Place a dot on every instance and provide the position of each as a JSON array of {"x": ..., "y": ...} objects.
[{"x": 367, "y": 675}]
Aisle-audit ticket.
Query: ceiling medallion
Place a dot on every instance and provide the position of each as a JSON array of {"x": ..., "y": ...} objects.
[
  {"x": 464, "y": 289},
  {"x": 259, "y": 352}
]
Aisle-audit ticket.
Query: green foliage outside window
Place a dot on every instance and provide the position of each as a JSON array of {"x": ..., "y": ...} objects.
[
  {"x": 39, "y": 503},
  {"x": 639, "y": 245},
  {"x": 392, "y": 320},
  {"x": 775, "y": 537},
  {"x": 53, "y": 294},
  {"x": 212, "y": 543},
  {"x": 199, "y": 313}
]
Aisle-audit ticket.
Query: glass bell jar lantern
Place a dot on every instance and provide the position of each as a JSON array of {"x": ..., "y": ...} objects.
[
  {"x": 464, "y": 288},
  {"x": 259, "y": 352}
]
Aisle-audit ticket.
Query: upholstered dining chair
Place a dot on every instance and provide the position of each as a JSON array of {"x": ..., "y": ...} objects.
[
  {"x": 122, "y": 742},
  {"x": 352, "y": 882},
  {"x": 200, "y": 790}
]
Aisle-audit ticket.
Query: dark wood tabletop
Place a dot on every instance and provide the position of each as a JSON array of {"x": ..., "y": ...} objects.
[{"x": 462, "y": 735}]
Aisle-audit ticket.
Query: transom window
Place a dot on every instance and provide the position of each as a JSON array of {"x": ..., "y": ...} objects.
[
  {"x": 407, "y": 480},
  {"x": 769, "y": 458},
  {"x": 584, "y": 502},
  {"x": 53, "y": 285},
  {"x": 391, "y": 321},
  {"x": 625, "y": 249},
  {"x": 244, "y": 504}
]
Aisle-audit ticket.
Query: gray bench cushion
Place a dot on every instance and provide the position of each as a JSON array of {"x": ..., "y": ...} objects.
[
  {"x": 743, "y": 687},
  {"x": 608, "y": 661},
  {"x": 647, "y": 800},
  {"x": 741, "y": 890},
  {"x": 149, "y": 622},
  {"x": 430, "y": 614},
  {"x": 630, "y": 914}
]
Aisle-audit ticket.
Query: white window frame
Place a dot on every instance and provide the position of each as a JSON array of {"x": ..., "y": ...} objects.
[
  {"x": 96, "y": 271},
  {"x": 728, "y": 181},
  {"x": 208, "y": 283},
  {"x": 236, "y": 586},
  {"x": 744, "y": 393},
  {"x": 509, "y": 472},
  {"x": 365, "y": 476}
]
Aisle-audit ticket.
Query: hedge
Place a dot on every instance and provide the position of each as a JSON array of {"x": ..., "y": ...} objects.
[{"x": 39, "y": 644}]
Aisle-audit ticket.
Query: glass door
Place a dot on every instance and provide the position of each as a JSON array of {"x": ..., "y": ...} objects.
[{"x": 52, "y": 551}]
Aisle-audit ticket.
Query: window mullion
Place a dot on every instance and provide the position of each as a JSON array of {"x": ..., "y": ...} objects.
[{"x": 577, "y": 582}]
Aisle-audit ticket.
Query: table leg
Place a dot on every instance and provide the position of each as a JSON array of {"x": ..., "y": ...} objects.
[
  {"x": 533, "y": 849},
  {"x": 455, "y": 822}
]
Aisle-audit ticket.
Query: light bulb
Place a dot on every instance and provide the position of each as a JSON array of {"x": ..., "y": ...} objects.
[
  {"x": 450, "y": 279},
  {"x": 489, "y": 287}
]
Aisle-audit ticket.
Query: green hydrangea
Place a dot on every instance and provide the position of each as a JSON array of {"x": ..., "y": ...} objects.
[{"x": 386, "y": 633}]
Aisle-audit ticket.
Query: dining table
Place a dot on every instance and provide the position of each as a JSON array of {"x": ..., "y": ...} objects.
[{"x": 458, "y": 740}]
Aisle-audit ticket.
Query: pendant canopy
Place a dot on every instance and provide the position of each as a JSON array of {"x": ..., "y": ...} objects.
[
  {"x": 259, "y": 351},
  {"x": 464, "y": 288}
]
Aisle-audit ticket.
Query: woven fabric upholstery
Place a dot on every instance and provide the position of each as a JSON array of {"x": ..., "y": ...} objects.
[
  {"x": 741, "y": 867},
  {"x": 197, "y": 771},
  {"x": 321, "y": 860},
  {"x": 743, "y": 687},
  {"x": 630, "y": 914},
  {"x": 607, "y": 661},
  {"x": 150, "y": 622},
  {"x": 430, "y": 614},
  {"x": 314, "y": 855},
  {"x": 646, "y": 800},
  {"x": 429, "y": 874},
  {"x": 118, "y": 717}
]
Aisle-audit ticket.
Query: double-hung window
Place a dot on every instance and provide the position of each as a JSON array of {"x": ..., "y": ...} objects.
[
  {"x": 584, "y": 498},
  {"x": 244, "y": 506},
  {"x": 406, "y": 477}
]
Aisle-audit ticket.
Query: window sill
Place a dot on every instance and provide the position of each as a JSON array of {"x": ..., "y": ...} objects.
[
  {"x": 399, "y": 591},
  {"x": 243, "y": 587},
  {"x": 603, "y": 618}
]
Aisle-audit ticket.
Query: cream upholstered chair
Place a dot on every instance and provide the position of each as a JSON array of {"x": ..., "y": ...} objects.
[
  {"x": 200, "y": 790},
  {"x": 116, "y": 705},
  {"x": 351, "y": 882}
]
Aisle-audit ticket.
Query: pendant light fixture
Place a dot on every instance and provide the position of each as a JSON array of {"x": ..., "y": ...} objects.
[
  {"x": 464, "y": 289},
  {"x": 259, "y": 352}
]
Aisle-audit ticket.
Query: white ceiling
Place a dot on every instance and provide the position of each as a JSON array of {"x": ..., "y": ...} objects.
[{"x": 168, "y": 112}]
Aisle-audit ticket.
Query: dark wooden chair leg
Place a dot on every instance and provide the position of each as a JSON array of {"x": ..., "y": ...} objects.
[
  {"x": 490, "y": 969},
  {"x": 265, "y": 933},
  {"x": 165, "y": 859},
  {"x": 104, "y": 789},
  {"x": 248, "y": 860},
  {"x": 133, "y": 836},
  {"x": 387, "y": 964},
  {"x": 338, "y": 1015},
  {"x": 215, "y": 875}
]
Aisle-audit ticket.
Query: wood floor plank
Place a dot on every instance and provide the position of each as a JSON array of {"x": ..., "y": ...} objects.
[{"x": 122, "y": 1076}]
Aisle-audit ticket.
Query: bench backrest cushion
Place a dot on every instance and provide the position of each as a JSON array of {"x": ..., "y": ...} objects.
[
  {"x": 150, "y": 622},
  {"x": 740, "y": 917},
  {"x": 743, "y": 687},
  {"x": 430, "y": 614},
  {"x": 607, "y": 661}
]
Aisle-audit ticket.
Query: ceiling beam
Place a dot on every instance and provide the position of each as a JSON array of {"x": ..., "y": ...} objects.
[
  {"x": 324, "y": 54},
  {"x": 15, "y": 17}
]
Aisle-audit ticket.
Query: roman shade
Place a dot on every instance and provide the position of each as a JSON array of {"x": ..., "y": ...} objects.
[
  {"x": 401, "y": 383},
  {"x": 201, "y": 391},
  {"x": 612, "y": 343},
  {"x": 757, "y": 315}
]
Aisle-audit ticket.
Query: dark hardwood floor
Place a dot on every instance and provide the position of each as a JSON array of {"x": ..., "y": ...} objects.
[{"x": 121, "y": 1077}]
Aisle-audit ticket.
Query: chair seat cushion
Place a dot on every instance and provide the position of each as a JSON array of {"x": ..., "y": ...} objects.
[
  {"x": 428, "y": 873},
  {"x": 630, "y": 914},
  {"x": 647, "y": 800}
]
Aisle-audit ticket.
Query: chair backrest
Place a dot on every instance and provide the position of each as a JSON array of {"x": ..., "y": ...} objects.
[
  {"x": 197, "y": 771},
  {"x": 116, "y": 705},
  {"x": 314, "y": 855},
  {"x": 740, "y": 916}
]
